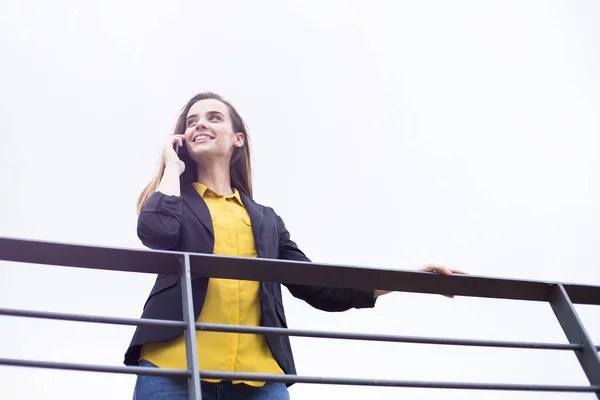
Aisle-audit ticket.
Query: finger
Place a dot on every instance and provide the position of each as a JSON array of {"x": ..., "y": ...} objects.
[
  {"x": 176, "y": 138},
  {"x": 458, "y": 271},
  {"x": 176, "y": 143},
  {"x": 446, "y": 271},
  {"x": 439, "y": 269}
]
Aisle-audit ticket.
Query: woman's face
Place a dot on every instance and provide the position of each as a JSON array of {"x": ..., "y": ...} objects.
[{"x": 209, "y": 131}]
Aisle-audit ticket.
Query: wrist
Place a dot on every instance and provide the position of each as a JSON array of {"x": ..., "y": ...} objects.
[{"x": 173, "y": 168}]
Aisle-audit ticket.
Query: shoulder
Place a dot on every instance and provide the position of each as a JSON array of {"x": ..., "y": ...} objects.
[
  {"x": 269, "y": 210},
  {"x": 251, "y": 203},
  {"x": 267, "y": 213}
]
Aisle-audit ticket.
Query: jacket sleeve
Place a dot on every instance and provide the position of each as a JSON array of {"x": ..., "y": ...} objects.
[
  {"x": 323, "y": 298},
  {"x": 159, "y": 222}
]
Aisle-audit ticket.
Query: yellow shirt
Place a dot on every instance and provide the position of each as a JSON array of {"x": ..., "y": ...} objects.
[{"x": 227, "y": 302}]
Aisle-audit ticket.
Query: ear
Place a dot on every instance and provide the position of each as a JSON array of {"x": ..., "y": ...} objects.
[{"x": 240, "y": 138}]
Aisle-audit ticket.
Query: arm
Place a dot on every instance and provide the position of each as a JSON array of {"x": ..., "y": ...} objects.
[
  {"x": 160, "y": 219},
  {"x": 169, "y": 184},
  {"x": 323, "y": 298},
  {"x": 159, "y": 222}
]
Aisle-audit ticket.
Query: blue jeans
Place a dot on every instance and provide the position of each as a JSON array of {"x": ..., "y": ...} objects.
[{"x": 175, "y": 388}]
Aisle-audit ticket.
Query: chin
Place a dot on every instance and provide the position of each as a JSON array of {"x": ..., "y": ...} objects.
[{"x": 199, "y": 155}]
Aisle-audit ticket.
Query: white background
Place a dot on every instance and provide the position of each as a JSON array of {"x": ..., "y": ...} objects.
[{"x": 390, "y": 134}]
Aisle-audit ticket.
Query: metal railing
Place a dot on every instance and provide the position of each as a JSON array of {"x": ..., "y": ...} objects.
[{"x": 561, "y": 297}]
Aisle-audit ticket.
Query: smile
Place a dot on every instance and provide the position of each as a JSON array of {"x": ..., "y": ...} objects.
[{"x": 202, "y": 138}]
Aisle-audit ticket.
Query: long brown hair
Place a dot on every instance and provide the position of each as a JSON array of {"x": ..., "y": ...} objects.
[{"x": 240, "y": 167}]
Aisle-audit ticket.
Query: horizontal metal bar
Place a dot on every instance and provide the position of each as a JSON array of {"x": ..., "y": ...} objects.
[
  {"x": 288, "y": 272},
  {"x": 86, "y": 256},
  {"x": 384, "y": 337},
  {"x": 304, "y": 273},
  {"x": 262, "y": 330},
  {"x": 95, "y": 368},
  {"x": 582, "y": 294},
  {"x": 91, "y": 318},
  {"x": 295, "y": 378},
  {"x": 393, "y": 383}
]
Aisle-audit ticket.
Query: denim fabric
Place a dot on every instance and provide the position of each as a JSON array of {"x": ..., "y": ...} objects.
[{"x": 175, "y": 388}]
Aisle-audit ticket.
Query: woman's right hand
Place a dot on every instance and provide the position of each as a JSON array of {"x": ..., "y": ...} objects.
[{"x": 169, "y": 155}]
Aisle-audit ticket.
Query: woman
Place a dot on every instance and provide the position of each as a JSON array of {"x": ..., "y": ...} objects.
[{"x": 201, "y": 201}]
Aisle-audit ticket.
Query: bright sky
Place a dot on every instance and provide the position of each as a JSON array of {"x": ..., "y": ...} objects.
[{"x": 393, "y": 134}]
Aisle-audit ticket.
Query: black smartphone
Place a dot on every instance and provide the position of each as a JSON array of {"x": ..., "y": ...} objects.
[{"x": 180, "y": 151}]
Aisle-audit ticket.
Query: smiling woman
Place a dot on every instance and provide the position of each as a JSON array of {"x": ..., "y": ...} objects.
[
  {"x": 206, "y": 115},
  {"x": 201, "y": 201}
]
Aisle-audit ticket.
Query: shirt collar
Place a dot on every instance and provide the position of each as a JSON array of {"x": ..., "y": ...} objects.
[{"x": 203, "y": 189}]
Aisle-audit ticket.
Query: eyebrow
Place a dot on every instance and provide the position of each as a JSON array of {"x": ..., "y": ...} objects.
[{"x": 208, "y": 112}]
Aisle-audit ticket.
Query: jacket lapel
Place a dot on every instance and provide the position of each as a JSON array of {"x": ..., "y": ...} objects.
[
  {"x": 198, "y": 206},
  {"x": 256, "y": 213}
]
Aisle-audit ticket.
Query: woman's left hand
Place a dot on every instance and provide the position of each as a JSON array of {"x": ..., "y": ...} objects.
[{"x": 439, "y": 269}]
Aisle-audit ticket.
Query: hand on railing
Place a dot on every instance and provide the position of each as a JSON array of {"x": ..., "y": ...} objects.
[{"x": 439, "y": 269}]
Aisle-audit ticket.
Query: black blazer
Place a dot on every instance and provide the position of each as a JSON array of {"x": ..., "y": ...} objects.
[{"x": 183, "y": 223}]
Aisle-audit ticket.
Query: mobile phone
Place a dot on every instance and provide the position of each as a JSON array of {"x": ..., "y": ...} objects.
[{"x": 179, "y": 150}]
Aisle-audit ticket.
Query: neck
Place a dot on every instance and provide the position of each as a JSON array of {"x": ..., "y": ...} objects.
[{"x": 216, "y": 177}]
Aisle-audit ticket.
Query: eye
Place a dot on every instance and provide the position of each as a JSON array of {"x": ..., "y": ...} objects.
[
  {"x": 191, "y": 122},
  {"x": 214, "y": 117}
]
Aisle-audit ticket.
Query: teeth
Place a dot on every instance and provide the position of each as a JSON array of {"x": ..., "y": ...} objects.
[{"x": 201, "y": 137}]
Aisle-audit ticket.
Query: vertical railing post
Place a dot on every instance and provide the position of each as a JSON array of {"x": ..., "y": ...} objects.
[
  {"x": 576, "y": 334},
  {"x": 191, "y": 349}
]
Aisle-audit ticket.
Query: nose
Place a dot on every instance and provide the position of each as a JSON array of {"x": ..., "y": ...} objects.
[{"x": 199, "y": 125}]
